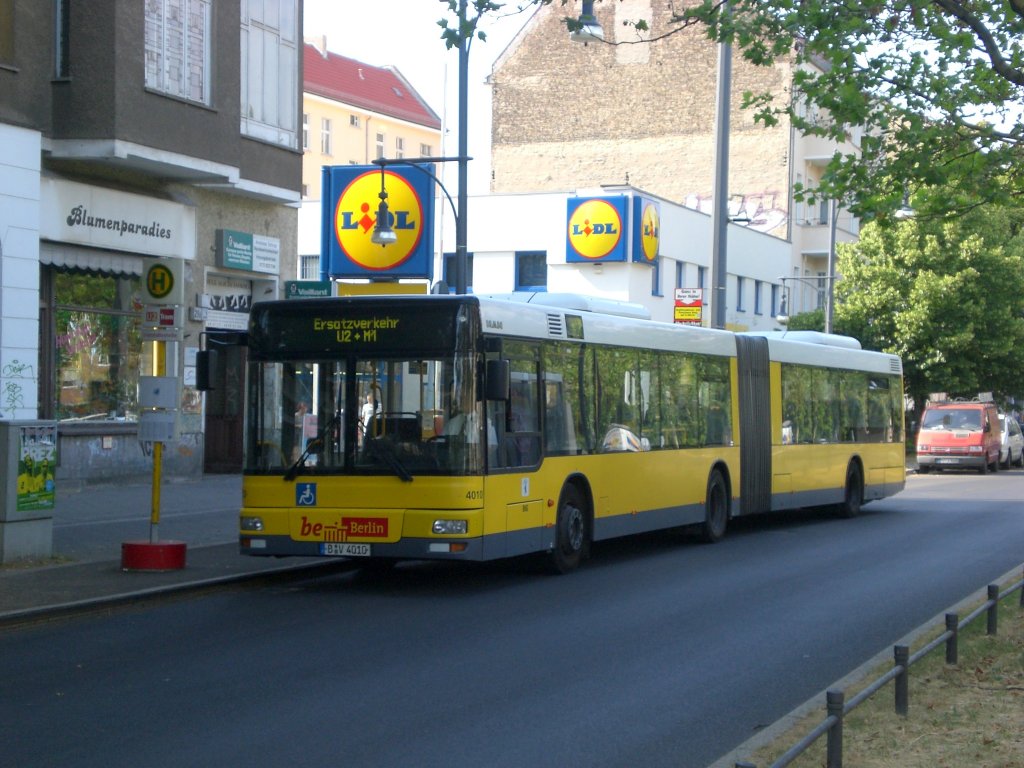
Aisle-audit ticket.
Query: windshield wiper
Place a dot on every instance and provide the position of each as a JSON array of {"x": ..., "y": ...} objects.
[
  {"x": 313, "y": 446},
  {"x": 379, "y": 449}
]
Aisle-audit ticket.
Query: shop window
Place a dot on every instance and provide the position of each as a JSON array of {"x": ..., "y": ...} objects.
[{"x": 98, "y": 347}]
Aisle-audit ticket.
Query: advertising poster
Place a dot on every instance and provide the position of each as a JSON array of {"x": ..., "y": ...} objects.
[{"x": 37, "y": 460}]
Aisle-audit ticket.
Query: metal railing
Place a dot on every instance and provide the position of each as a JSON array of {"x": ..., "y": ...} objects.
[{"x": 836, "y": 707}]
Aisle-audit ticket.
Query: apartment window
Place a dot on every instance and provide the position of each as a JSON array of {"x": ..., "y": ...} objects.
[
  {"x": 680, "y": 275},
  {"x": 656, "y": 277},
  {"x": 775, "y": 300},
  {"x": 702, "y": 280},
  {"x": 380, "y": 145},
  {"x": 305, "y": 131},
  {"x": 177, "y": 48},
  {"x": 741, "y": 285},
  {"x": 61, "y": 48},
  {"x": 305, "y": 190},
  {"x": 325, "y": 136},
  {"x": 531, "y": 271},
  {"x": 7, "y": 31},
  {"x": 449, "y": 272},
  {"x": 354, "y": 121},
  {"x": 426, "y": 150},
  {"x": 270, "y": 71},
  {"x": 399, "y": 147},
  {"x": 758, "y": 309},
  {"x": 309, "y": 267}
]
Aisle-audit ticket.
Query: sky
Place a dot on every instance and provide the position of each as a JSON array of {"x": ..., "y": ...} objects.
[{"x": 405, "y": 34}]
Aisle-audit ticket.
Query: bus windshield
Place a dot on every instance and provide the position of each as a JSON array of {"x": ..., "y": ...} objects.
[{"x": 366, "y": 415}]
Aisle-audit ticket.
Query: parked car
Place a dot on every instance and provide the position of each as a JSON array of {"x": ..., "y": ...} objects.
[
  {"x": 1012, "y": 450},
  {"x": 958, "y": 434}
]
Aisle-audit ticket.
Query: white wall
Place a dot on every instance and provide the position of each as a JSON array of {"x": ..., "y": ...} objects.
[{"x": 19, "y": 272}]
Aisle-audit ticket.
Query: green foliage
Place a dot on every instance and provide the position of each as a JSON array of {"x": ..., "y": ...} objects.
[
  {"x": 937, "y": 87},
  {"x": 807, "y": 321},
  {"x": 945, "y": 295}
]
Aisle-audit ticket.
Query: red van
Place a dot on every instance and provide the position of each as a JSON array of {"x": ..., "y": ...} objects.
[{"x": 959, "y": 434}]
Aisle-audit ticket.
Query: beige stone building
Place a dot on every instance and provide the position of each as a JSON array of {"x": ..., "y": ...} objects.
[{"x": 567, "y": 115}]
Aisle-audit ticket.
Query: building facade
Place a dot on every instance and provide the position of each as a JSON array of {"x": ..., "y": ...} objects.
[
  {"x": 518, "y": 242},
  {"x": 567, "y": 115},
  {"x": 134, "y": 136}
]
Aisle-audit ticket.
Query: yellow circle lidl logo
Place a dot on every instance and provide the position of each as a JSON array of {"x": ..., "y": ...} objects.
[
  {"x": 595, "y": 229},
  {"x": 356, "y": 215},
  {"x": 650, "y": 230}
]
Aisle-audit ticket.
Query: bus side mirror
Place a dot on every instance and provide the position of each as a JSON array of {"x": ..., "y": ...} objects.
[
  {"x": 206, "y": 369},
  {"x": 497, "y": 377}
]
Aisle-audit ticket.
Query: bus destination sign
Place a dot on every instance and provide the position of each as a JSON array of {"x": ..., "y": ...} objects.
[{"x": 347, "y": 330}]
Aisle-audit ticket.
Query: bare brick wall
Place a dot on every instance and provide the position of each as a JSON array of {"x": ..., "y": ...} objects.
[{"x": 567, "y": 116}]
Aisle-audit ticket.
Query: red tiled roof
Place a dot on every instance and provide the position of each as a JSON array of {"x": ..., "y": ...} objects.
[{"x": 377, "y": 89}]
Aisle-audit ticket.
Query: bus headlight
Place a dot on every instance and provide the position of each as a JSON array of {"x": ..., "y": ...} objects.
[
  {"x": 450, "y": 527},
  {"x": 252, "y": 524}
]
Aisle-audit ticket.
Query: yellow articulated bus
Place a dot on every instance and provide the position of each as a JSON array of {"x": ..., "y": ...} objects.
[{"x": 477, "y": 428}]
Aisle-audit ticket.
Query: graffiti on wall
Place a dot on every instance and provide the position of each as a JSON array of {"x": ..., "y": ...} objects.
[
  {"x": 12, "y": 393},
  {"x": 765, "y": 211}
]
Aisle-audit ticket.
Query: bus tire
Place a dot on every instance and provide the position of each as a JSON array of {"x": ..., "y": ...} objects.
[
  {"x": 716, "y": 509},
  {"x": 853, "y": 495},
  {"x": 571, "y": 531}
]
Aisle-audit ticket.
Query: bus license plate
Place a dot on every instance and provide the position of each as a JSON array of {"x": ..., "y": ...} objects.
[
  {"x": 947, "y": 461},
  {"x": 345, "y": 550}
]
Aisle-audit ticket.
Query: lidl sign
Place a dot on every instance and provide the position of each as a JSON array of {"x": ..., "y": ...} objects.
[
  {"x": 351, "y": 195},
  {"x": 596, "y": 229},
  {"x": 646, "y": 230}
]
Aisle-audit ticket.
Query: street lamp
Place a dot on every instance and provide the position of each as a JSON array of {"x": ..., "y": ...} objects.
[
  {"x": 383, "y": 234},
  {"x": 461, "y": 257},
  {"x": 783, "y": 316},
  {"x": 720, "y": 214},
  {"x": 587, "y": 28}
]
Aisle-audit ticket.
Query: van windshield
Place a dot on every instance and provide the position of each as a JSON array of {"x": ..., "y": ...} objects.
[{"x": 952, "y": 418}]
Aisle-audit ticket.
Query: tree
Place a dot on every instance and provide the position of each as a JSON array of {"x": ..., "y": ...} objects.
[
  {"x": 945, "y": 295},
  {"x": 936, "y": 85}
]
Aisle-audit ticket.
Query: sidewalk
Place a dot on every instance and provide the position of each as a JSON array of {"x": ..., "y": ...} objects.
[{"x": 90, "y": 525}]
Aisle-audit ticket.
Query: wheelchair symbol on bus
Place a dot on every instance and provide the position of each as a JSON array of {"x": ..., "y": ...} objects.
[{"x": 305, "y": 494}]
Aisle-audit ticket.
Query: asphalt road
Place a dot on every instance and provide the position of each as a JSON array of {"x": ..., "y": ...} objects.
[{"x": 660, "y": 651}]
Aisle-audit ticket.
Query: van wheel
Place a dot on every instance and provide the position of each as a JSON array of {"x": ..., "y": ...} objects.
[
  {"x": 853, "y": 496},
  {"x": 983, "y": 469},
  {"x": 1020, "y": 459}
]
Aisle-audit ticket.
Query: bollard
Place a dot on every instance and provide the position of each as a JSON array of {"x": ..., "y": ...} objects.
[
  {"x": 953, "y": 627},
  {"x": 834, "y": 747},
  {"x": 901, "y": 653},
  {"x": 993, "y": 609}
]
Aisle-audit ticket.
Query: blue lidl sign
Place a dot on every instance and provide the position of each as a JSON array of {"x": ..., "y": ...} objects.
[
  {"x": 351, "y": 194},
  {"x": 646, "y": 230},
  {"x": 596, "y": 229}
]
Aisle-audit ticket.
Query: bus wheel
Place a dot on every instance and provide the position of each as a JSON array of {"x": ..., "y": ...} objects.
[
  {"x": 570, "y": 531},
  {"x": 716, "y": 509},
  {"x": 853, "y": 497}
]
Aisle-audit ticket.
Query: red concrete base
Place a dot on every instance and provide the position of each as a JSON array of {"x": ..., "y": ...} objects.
[{"x": 152, "y": 556}]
